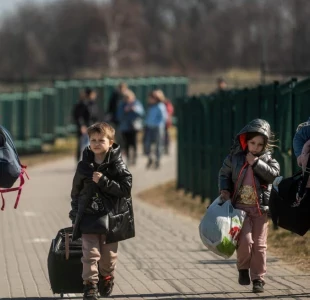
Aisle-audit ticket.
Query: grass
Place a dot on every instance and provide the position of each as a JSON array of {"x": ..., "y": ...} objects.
[
  {"x": 287, "y": 246},
  {"x": 205, "y": 83}
]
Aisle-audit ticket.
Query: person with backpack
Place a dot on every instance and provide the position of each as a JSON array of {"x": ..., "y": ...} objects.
[
  {"x": 301, "y": 147},
  {"x": 246, "y": 179},
  {"x": 154, "y": 130},
  {"x": 301, "y": 137},
  {"x": 101, "y": 209},
  {"x": 10, "y": 167}
]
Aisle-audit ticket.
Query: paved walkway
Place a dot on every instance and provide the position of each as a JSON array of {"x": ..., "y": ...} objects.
[{"x": 166, "y": 260}]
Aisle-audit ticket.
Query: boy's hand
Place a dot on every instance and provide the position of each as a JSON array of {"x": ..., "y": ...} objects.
[
  {"x": 225, "y": 195},
  {"x": 96, "y": 176},
  {"x": 251, "y": 159}
]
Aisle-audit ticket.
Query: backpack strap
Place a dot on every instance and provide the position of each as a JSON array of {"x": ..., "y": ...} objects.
[
  {"x": 301, "y": 191},
  {"x": 19, "y": 188}
]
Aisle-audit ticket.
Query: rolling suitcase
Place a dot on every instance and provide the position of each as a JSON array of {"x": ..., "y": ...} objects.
[{"x": 64, "y": 263}]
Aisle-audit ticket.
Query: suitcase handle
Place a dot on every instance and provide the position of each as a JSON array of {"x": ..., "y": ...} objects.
[{"x": 67, "y": 241}]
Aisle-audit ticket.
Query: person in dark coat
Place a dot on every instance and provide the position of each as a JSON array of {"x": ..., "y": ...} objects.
[
  {"x": 101, "y": 211},
  {"x": 2, "y": 140},
  {"x": 85, "y": 113},
  {"x": 115, "y": 100}
]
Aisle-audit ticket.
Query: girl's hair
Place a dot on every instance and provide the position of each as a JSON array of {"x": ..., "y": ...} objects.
[
  {"x": 269, "y": 143},
  {"x": 158, "y": 95},
  {"x": 129, "y": 94}
]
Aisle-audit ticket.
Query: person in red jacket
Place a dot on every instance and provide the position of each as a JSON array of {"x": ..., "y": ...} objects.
[{"x": 170, "y": 111}]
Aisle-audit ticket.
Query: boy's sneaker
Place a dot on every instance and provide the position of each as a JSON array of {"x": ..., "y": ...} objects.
[
  {"x": 244, "y": 277},
  {"x": 90, "y": 291},
  {"x": 258, "y": 286},
  {"x": 106, "y": 285}
]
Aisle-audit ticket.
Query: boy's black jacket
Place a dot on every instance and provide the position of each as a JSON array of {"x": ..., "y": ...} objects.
[{"x": 114, "y": 188}]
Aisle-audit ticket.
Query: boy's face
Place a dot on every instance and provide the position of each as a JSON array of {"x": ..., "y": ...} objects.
[
  {"x": 256, "y": 145},
  {"x": 99, "y": 144}
]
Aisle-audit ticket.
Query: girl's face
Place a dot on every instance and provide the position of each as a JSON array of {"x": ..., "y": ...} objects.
[
  {"x": 256, "y": 144},
  {"x": 151, "y": 100},
  {"x": 129, "y": 99}
]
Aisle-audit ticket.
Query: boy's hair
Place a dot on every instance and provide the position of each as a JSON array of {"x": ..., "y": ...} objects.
[
  {"x": 268, "y": 142},
  {"x": 103, "y": 128}
]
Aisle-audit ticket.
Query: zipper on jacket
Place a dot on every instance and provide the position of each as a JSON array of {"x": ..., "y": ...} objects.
[
  {"x": 236, "y": 184},
  {"x": 260, "y": 213}
]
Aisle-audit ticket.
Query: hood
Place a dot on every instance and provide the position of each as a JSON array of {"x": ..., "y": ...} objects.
[
  {"x": 113, "y": 154},
  {"x": 256, "y": 125},
  {"x": 86, "y": 166}
]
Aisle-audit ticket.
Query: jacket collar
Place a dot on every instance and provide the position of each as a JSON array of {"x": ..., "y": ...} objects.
[{"x": 113, "y": 154}]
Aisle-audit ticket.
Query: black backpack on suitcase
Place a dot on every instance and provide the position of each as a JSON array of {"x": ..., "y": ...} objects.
[
  {"x": 286, "y": 211},
  {"x": 65, "y": 267}
]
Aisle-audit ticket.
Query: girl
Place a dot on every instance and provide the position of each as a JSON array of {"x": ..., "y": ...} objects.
[
  {"x": 154, "y": 131},
  {"x": 130, "y": 113},
  {"x": 246, "y": 178}
]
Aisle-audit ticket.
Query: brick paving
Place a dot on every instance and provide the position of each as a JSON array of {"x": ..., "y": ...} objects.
[{"x": 166, "y": 260}]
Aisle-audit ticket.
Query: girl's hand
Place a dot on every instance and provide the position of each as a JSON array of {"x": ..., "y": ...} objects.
[
  {"x": 96, "y": 176},
  {"x": 128, "y": 108},
  {"x": 251, "y": 159},
  {"x": 225, "y": 195}
]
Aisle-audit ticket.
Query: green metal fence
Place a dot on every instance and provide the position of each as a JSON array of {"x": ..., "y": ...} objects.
[
  {"x": 207, "y": 125},
  {"x": 38, "y": 117}
]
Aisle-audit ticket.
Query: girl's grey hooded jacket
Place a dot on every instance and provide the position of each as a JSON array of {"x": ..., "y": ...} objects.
[{"x": 265, "y": 169}]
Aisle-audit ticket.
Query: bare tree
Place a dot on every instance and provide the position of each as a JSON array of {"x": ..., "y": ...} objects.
[{"x": 176, "y": 36}]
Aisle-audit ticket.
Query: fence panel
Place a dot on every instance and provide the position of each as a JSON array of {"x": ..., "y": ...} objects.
[{"x": 219, "y": 117}]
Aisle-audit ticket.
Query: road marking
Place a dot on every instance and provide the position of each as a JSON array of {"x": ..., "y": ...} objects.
[
  {"x": 29, "y": 214},
  {"x": 38, "y": 240}
]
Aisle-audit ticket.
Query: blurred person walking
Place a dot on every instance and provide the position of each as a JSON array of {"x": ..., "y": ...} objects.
[
  {"x": 85, "y": 113},
  {"x": 221, "y": 84},
  {"x": 114, "y": 102},
  {"x": 170, "y": 111},
  {"x": 129, "y": 116},
  {"x": 154, "y": 131}
]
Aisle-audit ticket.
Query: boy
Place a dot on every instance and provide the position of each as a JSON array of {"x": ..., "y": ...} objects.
[{"x": 101, "y": 209}]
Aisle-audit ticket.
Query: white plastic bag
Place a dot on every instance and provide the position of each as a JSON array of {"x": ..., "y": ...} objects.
[{"x": 220, "y": 227}]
